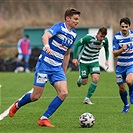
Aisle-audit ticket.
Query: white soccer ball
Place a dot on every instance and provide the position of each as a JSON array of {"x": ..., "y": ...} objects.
[
  {"x": 86, "y": 120},
  {"x": 20, "y": 69}
]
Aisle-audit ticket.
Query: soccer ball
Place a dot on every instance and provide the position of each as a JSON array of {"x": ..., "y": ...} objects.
[
  {"x": 86, "y": 120},
  {"x": 20, "y": 69}
]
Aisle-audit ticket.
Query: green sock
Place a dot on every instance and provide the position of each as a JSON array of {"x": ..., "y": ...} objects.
[{"x": 91, "y": 89}]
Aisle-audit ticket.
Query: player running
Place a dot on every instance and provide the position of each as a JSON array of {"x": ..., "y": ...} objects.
[
  {"x": 58, "y": 41},
  {"x": 123, "y": 50},
  {"x": 88, "y": 59}
]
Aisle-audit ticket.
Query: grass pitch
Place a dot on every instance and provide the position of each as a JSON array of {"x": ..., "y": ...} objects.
[{"x": 106, "y": 108}]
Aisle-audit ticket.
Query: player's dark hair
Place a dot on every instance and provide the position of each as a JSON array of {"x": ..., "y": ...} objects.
[
  {"x": 125, "y": 20},
  {"x": 103, "y": 31},
  {"x": 70, "y": 12},
  {"x": 27, "y": 36}
]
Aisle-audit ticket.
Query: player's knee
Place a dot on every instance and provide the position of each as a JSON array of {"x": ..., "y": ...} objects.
[
  {"x": 84, "y": 81},
  {"x": 129, "y": 79},
  {"x": 63, "y": 94},
  {"x": 129, "y": 82}
]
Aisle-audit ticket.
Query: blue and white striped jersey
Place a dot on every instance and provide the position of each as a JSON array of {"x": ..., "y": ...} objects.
[
  {"x": 62, "y": 39},
  {"x": 126, "y": 57}
]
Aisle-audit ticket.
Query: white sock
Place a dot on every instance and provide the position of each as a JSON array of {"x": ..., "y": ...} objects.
[
  {"x": 43, "y": 117},
  {"x": 17, "y": 105}
]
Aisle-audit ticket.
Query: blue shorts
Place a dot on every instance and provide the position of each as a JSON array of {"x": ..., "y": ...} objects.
[
  {"x": 45, "y": 73},
  {"x": 122, "y": 72},
  {"x": 23, "y": 56}
]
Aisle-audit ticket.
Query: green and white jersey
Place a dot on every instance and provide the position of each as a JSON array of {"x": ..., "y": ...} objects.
[{"x": 90, "y": 49}]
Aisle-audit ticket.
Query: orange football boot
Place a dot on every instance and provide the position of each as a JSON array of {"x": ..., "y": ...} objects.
[
  {"x": 45, "y": 122},
  {"x": 13, "y": 110}
]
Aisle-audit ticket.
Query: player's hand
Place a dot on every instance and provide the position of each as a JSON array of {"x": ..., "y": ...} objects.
[
  {"x": 107, "y": 65},
  {"x": 47, "y": 49},
  {"x": 75, "y": 62},
  {"x": 124, "y": 47}
]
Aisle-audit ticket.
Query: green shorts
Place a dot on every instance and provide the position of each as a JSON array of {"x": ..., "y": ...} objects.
[{"x": 86, "y": 69}]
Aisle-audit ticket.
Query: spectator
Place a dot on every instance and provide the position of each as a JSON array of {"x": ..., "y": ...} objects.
[{"x": 24, "y": 51}]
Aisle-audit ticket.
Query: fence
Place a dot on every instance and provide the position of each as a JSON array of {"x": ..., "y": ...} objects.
[{"x": 8, "y": 53}]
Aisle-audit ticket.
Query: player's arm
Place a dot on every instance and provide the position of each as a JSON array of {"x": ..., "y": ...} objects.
[
  {"x": 48, "y": 34},
  {"x": 45, "y": 40},
  {"x": 106, "y": 47},
  {"x": 66, "y": 60},
  {"x": 75, "y": 52},
  {"x": 81, "y": 42},
  {"x": 19, "y": 47},
  {"x": 116, "y": 50},
  {"x": 29, "y": 48}
]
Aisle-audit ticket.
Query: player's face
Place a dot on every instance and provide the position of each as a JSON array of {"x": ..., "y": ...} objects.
[
  {"x": 73, "y": 21},
  {"x": 100, "y": 37},
  {"x": 124, "y": 29}
]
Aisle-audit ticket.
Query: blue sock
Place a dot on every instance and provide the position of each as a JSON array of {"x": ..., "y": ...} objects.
[
  {"x": 26, "y": 99},
  {"x": 124, "y": 97},
  {"x": 26, "y": 65},
  {"x": 18, "y": 64},
  {"x": 53, "y": 106}
]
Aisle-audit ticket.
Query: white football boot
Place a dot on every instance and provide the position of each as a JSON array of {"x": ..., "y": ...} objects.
[{"x": 87, "y": 101}]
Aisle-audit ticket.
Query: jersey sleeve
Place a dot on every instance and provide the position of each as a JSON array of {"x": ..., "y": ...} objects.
[
  {"x": 54, "y": 29},
  {"x": 115, "y": 44},
  {"x": 81, "y": 42},
  {"x": 19, "y": 47},
  {"x": 106, "y": 47}
]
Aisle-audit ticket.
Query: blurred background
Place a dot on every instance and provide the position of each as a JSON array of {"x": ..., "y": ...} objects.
[{"x": 16, "y": 17}]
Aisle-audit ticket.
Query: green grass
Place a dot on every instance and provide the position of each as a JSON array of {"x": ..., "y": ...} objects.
[{"x": 106, "y": 110}]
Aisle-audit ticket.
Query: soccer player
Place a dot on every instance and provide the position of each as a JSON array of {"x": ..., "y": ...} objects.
[
  {"x": 24, "y": 51},
  {"x": 123, "y": 50},
  {"x": 52, "y": 65},
  {"x": 90, "y": 46}
]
